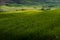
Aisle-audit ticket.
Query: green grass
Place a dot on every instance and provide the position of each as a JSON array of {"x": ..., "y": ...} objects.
[{"x": 33, "y": 26}]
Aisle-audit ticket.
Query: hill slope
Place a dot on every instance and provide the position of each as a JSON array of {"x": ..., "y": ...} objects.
[{"x": 30, "y": 25}]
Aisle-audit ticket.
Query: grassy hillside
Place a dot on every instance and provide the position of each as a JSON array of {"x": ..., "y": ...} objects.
[{"x": 30, "y": 25}]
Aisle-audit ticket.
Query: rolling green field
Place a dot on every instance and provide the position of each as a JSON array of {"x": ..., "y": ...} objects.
[{"x": 30, "y": 25}]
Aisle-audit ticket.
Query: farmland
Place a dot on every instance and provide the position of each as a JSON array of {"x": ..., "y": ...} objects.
[{"x": 30, "y": 25}]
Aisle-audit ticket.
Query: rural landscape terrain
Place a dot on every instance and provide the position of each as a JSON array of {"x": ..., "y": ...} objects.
[{"x": 29, "y": 19}]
